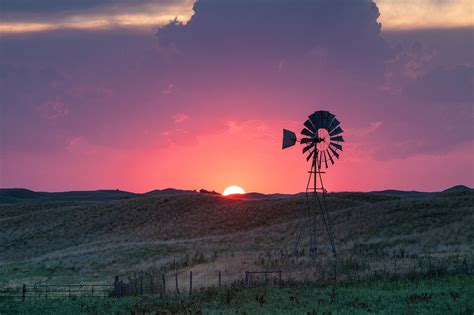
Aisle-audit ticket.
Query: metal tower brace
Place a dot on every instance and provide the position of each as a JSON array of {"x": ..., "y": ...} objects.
[{"x": 312, "y": 206}]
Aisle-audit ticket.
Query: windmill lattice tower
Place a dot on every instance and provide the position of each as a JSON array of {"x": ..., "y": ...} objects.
[{"x": 322, "y": 138}]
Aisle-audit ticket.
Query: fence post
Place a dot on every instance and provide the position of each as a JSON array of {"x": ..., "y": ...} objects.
[
  {"x": 279, "y": 277},
  {"x": 164, "y": 284},
  {"x": 116, "y": 280},
  {"x": 151, "y": 284},
  {"x": 465, "y": 264},
  {"x": 176, "y": 282},
  {"x": 395, "y": 267},
  {"x": 46, "y": 291},
  {"x": 69, "y": 291},
  {"x": 92, "y": 290},
  {"x": 141, "y": 286},
  {"x": 23, "y": 292},
  {"x": 220, "y": 279},
  {"x": 190, "y": 282}
]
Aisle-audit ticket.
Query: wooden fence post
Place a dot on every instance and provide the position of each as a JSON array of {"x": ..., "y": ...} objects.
[
  {"x": 190, "y": 282},
  {"x": 69, "y": 291},
  {"x": 46, "y": 291},
  {"x": 395, "y": 267},
  {"x": 23, "y": 292},
  {"x": 176, "y": 282},
  {"x": 141, "y": 285},
  {"x": 164, "y": 284},
  {"x": 465, "y": 264},
  {"x": 151, "y": 284},
  {"x": 220, "y": 279}
]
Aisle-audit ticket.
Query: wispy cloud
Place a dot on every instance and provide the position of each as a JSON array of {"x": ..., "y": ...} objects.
[
  {"x": 424, "y": 14},
  {"x": 106, "y": 16},
  {"x": 180, "y": 118}
]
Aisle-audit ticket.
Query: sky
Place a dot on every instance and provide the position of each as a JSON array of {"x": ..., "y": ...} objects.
[{"x": 143, "y": 95}]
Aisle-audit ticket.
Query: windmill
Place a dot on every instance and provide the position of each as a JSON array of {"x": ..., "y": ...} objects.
[{"x": 321, "y": 138}]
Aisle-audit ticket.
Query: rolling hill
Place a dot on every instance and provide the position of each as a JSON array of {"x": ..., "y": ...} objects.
[{"x": 91, "y": 236}]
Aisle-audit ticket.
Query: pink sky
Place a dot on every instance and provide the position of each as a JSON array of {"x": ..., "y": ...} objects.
[{"x": 203, "y": 104}]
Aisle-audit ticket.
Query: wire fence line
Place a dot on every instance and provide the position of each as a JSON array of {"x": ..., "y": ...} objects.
[
  {"x": 343, "y": 270},
  {"x": 52, "y": 291}
]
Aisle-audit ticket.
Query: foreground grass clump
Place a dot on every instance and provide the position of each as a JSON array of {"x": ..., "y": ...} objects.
[{"x": 438, "y": 295}]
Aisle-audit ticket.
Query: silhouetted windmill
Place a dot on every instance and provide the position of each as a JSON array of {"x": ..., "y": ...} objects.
[{"x": 322, "y": 136}]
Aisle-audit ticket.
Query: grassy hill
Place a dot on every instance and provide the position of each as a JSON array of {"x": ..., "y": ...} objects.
[{"x": 91, "y": 236}]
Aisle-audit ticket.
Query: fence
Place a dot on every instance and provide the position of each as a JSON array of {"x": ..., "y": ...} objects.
[
  {"x": 52, "y": 291},
  {"x": 171, "y": 283},
  {"x": 345, "y": 269}
]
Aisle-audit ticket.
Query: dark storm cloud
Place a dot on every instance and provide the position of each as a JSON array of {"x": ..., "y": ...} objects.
[
  {"x": 61, "y": 6},
  {"x": 343, "y": 34},
  {"x": 324, "y": 52},
  {"x": 236, "y": 58},
  {"x": 444, "y": 86}
]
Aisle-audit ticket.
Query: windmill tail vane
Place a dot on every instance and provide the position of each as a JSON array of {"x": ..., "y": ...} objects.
[{"x": 322, "y": 143}]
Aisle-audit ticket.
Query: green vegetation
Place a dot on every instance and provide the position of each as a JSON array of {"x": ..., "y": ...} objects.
[
  {"x": 437, "y": 295},
  {"x": 379, "y": 237}
]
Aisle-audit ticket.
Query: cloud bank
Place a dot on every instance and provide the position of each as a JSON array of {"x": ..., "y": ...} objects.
[{"x": 129, "y": 96}]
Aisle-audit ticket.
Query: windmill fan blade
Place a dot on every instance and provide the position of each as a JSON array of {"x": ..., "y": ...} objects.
[
  {"x": 324, "y": 118},
  {"x": 307, "y": 133},
  {"x": 310, "y": 126},
  {"x": 334, "y": 152},
  {"x": 314, "y": 120},
  {"x": 289, "y": 139},
  {"x": 336, "y": 131},
  {"x": 310, "y": 155},
  {"x": 330, "y": 158},
  {"x": 307, "y": 148},
  {"x": 338, "y": 138},
  {"x": 325, "y": 160},
  {"x": 337, "y": 146},
  {"x": 319, "y": 118},
  {"x": 334, "y": 124},
  {"x": 307, "y": 140},
  {"x": 329, "y": 120}
]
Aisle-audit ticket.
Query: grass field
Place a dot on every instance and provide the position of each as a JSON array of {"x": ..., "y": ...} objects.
[
  {"x": 436, "y": 295},
  {"x": 83, "y": 239}
]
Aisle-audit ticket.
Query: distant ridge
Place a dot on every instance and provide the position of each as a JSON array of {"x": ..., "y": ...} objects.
[
  {"x": 256, "y": 195},
  {"x": 417, "y": 194},
  {"x": 457, "y": 188},
  {"x": 169, "y": 192},
  {"x": 21, "y": 195},
  {"x": 402, "y": 193}
]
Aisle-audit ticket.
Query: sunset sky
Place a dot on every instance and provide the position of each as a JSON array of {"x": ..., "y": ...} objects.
[{"x": 143, "y": 95}]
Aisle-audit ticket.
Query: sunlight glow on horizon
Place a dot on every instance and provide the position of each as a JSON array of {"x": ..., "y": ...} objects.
[{"x": 233, "y": 190}]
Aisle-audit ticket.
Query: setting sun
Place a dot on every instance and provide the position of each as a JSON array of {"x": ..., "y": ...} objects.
[{"x": 233, "y": 190}]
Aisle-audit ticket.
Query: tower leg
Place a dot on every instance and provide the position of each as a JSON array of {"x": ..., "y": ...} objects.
[{"x": 313, "y": 203}]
